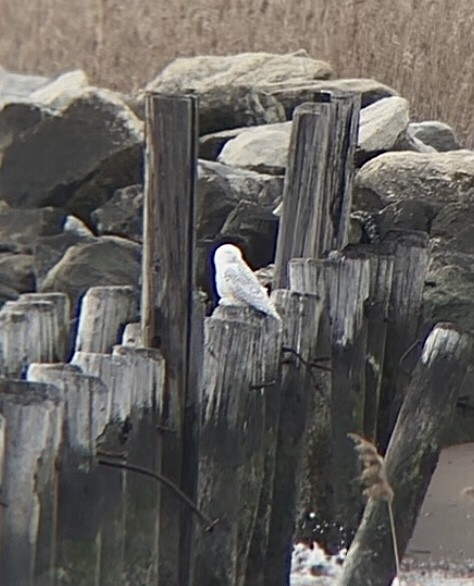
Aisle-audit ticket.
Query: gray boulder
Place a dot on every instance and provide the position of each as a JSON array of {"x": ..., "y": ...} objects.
[
  {"x": 17, "y": 272},
  {"x": 380, "y": 127},
  {"x": 449, "y": 288},
  {"x": 68, "y": 149},
  {"x": 107, "y": 260},
  {"x": 232, "y": 89},
  {"x": 409, "y": 214},
  {"x": 436, "y": 134},
  {"x": 438, "y": 178},
  {"x": 20, "y": 228},
  {"x": 263, "y": 149},
  {"x": 293, "y": 93},
  {"x": 454, "y": 226},
  {"x": 121, "y": 215},
  {"x": 245, "y": 69},
  {"x": 18, "y": 85}
]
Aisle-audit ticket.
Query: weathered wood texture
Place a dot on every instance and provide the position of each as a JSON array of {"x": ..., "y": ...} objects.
[
  {"x": 301, "y": 313},
  {"x": 411, "y": 457},
  {"x": 132, "y": 335},
  {"x": 103, "y": 315},
  {"x": 346, "y": 283},
  {"x": 231, "y": 444},
  {"x": 318, "y": 183},
  {"x": 130, "y": 506},
  {"x": 84, "y": 400},
  {"x": 410, "y": 252},
  {"x": 33, "y": 427},
  {"x": 168, "y": 278},
  {"x": 29, "y": 332},
  {"x": 62, "y": 317}
]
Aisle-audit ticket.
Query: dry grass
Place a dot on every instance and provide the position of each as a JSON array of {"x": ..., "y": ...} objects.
[{"x": 423, "y": 48}]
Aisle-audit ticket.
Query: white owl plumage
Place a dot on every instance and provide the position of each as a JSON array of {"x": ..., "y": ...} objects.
[{"x": 236, "y": 284}]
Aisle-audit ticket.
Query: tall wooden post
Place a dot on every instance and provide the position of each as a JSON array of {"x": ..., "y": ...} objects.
[
  {"x": 168, "y": 279},
  {"x": 318, "y": 184}
]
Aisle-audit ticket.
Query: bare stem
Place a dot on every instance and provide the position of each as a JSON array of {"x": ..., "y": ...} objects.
[
  {"x": 394, "y": 538},
  {"x": 209, "y": 523}
]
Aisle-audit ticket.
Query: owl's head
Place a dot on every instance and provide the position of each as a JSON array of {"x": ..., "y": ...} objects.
[{"x": 227, "y": 253}]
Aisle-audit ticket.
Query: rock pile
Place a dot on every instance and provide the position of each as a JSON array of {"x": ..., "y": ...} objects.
[{"x": 70, "y": 152}]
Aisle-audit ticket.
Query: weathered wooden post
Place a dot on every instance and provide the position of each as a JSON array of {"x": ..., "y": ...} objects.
[
  {"x": 33, "y": 427},
  {"x": 301, "y": 313},
  {"x": 411, "y": 457},
  {"x": 231, "y": 443},
  {"x": 346, "y": 282},
  {"x": 62, "y": 317},
  {"x": 103, "y": 315},
  {"x": 168, "y": 303},
  {"x": 129, "y": 515},
  {"x": 79, "y": 501},
  {"x": 318, "y": 183},
  {"x": 411, "y": 257}
]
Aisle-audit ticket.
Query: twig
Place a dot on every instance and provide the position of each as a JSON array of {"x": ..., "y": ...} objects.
[{"x": 209, "y": 523}]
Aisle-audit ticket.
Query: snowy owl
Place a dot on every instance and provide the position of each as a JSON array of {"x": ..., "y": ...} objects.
[{"x": 236, "y": 284}]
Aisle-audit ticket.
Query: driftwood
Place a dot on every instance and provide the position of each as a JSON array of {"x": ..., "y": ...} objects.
[
  {"x": 104, "y": 313},
  {"x": 33, "y": 416},
  {"x": 318, "y": 183},
  {"x": 411, "y": 457},
  {"x": 168, "y": 278}
]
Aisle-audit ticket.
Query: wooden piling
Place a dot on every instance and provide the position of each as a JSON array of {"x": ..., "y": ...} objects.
[
  {"x": 62, "y": 316},
  {"x": 79, "y": 501},
  {"x": 410, "y": 252},
  {"x": 33, "y": 416},
  {"x": 300, "y": 314},
  {"x": 346, "y": 282},
  {"x": 168, "y": 278},
  {"x": 230, "y": 447},
  {"x": 411, "y": 457},
  {"x": 103, "y": 315},
  {"x": 317, "y": 193}
]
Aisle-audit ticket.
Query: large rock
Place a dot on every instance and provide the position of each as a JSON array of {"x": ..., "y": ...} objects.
[
  {"x": 454, "y": 225},
  {"x": 19, "y": 229},
  {"x": 436, "y": 134},
  {"x": 380, "y": 127},
  {"x": 105, "y": 261},
  {"x": 202, "y": 73},
  {"x": 438, "y": 178},
  {"x": 409, "y": 214},
  {"x": 449, "y": 290},
  {"x": 17, "y": 272},
  {"x": 232, "y": 89},
  {"x": 69, "y": 149},
  {"x": 121, "y": 215},
  {"x": 293, "y": 93},
  {"x": 17, "y": 85},
  {"x": 221, "y": 189},
  {"x": 263, "y": 149}
]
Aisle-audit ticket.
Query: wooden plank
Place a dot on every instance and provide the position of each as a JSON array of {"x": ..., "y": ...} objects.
[
  {"x": 14, "y": 343},
  {"x": 317, "y": 193},
  {"x": 33, "y": 417},
  {"x": 168, "y": 278},
  {"x": 301, "y": 313},
  {"x": 132, "y": 334},
  {"x": 410, "y": 251},
  {"x": 230, "y": 446},
  {"x": 411, "y": 457},
  {"x": 85, "y": 417},
  {"x": 346, "y": 280},
  {"x": 102, "y": 318}
]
